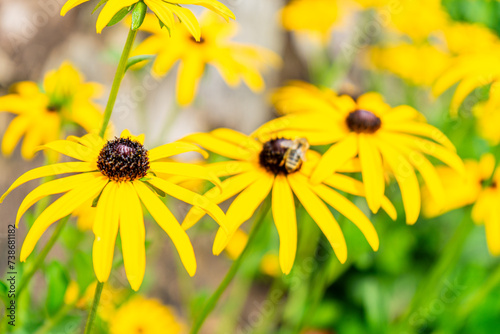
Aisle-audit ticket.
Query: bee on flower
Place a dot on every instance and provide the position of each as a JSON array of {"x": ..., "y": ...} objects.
[
  {"x": 258, "y": 169},
  {"x": 42, "y": 111},
  {"x": 234, "y": 61},
  {"x": 383, "y": 138},
  {"x": 117, "y": 176}
]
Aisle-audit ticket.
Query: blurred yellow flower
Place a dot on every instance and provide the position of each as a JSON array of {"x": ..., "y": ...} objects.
[
  {"x": 368, "y": 128},
  {"x": 482, "y": 38},
  {"x": 118, "y": 174},
  {"x": 164, "y": 11},
  {"x": 419, "y": 65},
  {"x": 476, "y": 189},
  {"x": 145, "y": 316},
  {"x": 42, "y": 111},
  {"x": 234, "y": 61},
  {"x": 488, "y": 117},
  {"x": 258, "y": 169}
]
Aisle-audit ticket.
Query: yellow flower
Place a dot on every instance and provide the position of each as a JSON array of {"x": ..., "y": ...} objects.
[
  {"x": 488, "y": 117},
  {"x": 373, "y": 3},
  {"x": 41, "y": 111},
  {"x": 145, "y": 316},
  {"x": 472, "y": 70},
  {"x": 420, "y": 65},
  {"x": 482, "y": 38},
  {"x": 258, "y": 169},
  {"x": 473, "y": 189},
  {"x": 234, "y": 61},
  {"x": 118, "y": 174},
  {"x": 163, "y": 9},
  {"x": 381, "y": 136}
]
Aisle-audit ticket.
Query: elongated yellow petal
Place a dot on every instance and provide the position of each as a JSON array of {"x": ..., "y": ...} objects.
[
  {"x": 171, "y": 149},
  {"x": 492, "y": 226},
  {"x": 320, "y": 213},
  {"x": 465, "y": 87},
  {"x": 188, "y": 78},
  {"x": 285, "y": 220},
  {"x": 336, "y": 156},
  {"x": 55, "y": 169},
  {"x": 421, "y": 129},
  {"x": 351, "y": 211},
  {"x": 243, "y": 208},
  {"x": 407, "y": 181},
  {"x": 401, "y": 114},
  {"x": 109, "y": 10},
  {"x": 372, "y": 170},
  {"x": 72, "y": 149},
  {"x": 105, "y": 229},
  {"x": 133, "y": 235},
  {"x": 62, "y": 207},
  {"x": 91, "y": 140},
  {"x": 187, "y": 18},
  {"x": 184, "y": 169},
  {"x": 169, "y": 224},
  {"x": 237, "y": 138},
  {"x": 213, "y": 5},
  {"x": 53, "y": 187},
  {"x": 32, "y": 139},
  {"x": 232, "y": 167},
  {"x": 163, "y": 12},
  {"x": 221, "y": 147},
  {"x": 70, "y": 4},
  {"x": 230, "y": 187},
  {"x": 13, "y": 134},
  {"x": 192, "y": 198}
]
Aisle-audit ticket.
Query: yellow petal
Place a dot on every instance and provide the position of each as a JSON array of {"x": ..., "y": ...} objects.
[
  {"x": 402, "y": 114},
  {"x": 126, "y": 134},
  {"x": 171, "y": 149},
  {"x": 109, "y": 10},
  {"x": 220, "y": 146},
  {"x": 283, "y": 205},
  {"x": 237, "y": 138},
  {"x": 372, "y": 170},
  {"x": 72, "y": 149},
  {"x": 70, "y": 4},
  {"x": 55, "y": 169},
  {"x": 169, "y": 224},
  {"x": 185, "y": 169},
  {"x": 213, "y": 5},
  {"x": 163, "y": 12},
  {"x": 320, "y": 213},
  {"x": 492, "y": 226},
  {"x": 351, "y": 211},
  {"x": 32, "y": 139},
  {"x": 232, "y": 167},
  {"x": 187, "y": 18},
  {"x": 465, "y": 87},
  {"x": 13, "y": 134},
  {"x": 243, "y": 208},
  {"x": 62, "y": 207},
  {"x": 421, "y": 129},
  {"x": 336, "y": 156},
  {"x": 190, "y": 71},
  {"x": 133, "y": 236}
]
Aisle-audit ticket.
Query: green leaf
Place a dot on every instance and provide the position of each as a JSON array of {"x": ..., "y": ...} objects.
[
  {"x": 163, "y": 25},
  {"x": 82, "y": 264},
  {"x": 99, "y": 5},
  {"x": 119, "y": 16},
  {"x": 137, "y": 59},
  {"x": 58, "y": 280},
  {"x": 138, "y": 15},
  {"x": 160, "y": 192}
]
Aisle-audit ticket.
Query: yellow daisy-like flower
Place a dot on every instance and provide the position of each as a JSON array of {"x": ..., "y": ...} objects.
[
  {"x": 488, "y": 117},
  {"x": 145, "y": 316},
  {"x": 260, "y": 168},
  {"x": 42, "y": 111},
  {"x": 420, "y": 65},
  {"x": 234, "y": 61},
  {"x": 483, "y": 38},
  {"x": 163, "y": 9},
  {"x": 368, "y": 128},
  {"x": 118, "y": 175},
  {"x": 473, "y": 189}
]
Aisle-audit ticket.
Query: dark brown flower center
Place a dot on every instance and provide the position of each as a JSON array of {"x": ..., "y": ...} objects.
[
  {"x": 53, "y": 108},
  {"x": 283, "y": 156},
  {"x": 201, "y": 41},
  {"x": 123, "y": 159},
  {"x": 363, "y": 121}
]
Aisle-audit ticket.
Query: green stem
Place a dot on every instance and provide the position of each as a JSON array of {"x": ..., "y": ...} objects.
[
  {"x": 210, "y": 305},
  {"x": 120, "y": 73},
  {"x": 446, "y": 261},
  {"x": 41, "y": 257},
  {"x": 93, "y": 310},
  {"x": 275, "y": 294}
]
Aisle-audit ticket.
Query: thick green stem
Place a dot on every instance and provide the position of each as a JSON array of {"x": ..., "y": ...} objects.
[
  {"x": 212, "y": 302},
  {"x": 93, "y": 310},
  {"x": 41, "y": 257},
  {"x": 120, "y": 72}
]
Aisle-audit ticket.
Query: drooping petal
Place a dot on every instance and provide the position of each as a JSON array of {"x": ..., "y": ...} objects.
[
  {"x": 190, "y": 72},
  {"x": 62, "y": 207},
  {"x": 32, "y": 139},
  {"x": 492, "y": 226},
  {"x": 283, "y": 206},
  {"x": 185, "y": 169},
  {"x": 55, "y": 169},
  {"x": 133, "y": 236},
  {"x": 320, "y": 213},
  {"x": 171, "y": 149},
  {"x": 163, "y": 12},
  {"x": 219, "y": 146},
  {"x": 106, "y": 229},
  {"x": 109, "y": 10},
  {"x": 372, "y": 170},
  {"x": 336, "y": 156},
  {"x": 169, "y": 224},
  {"x": 72, "y": 149},
  {"x": 187, "y": 18},
  {"x": 421, "y": 129},
  {"x": 13, "y": 134},
  {"x": 70, "y": 4},
  {"x": 213, "y": 5}
]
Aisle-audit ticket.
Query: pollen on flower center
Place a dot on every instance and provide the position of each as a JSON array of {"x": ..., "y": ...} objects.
[
  {"x": 123, "y": 159},
  {"x": 363, "y": 121},
  {"x": 273, "y": 156}
]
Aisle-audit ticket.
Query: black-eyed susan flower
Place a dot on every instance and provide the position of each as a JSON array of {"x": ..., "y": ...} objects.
[
  {"x": 480, "y": 187},
  {"x": 117, "y": 175},
  {"x": 234, "y": 61},
  {"x": 41, "y": 111},
  {"x": 163, "y": 9},
  {"x": 141, "y": 315},
  {"x": 258, "y": 169},
  {"x": 368, "y": 128}
]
